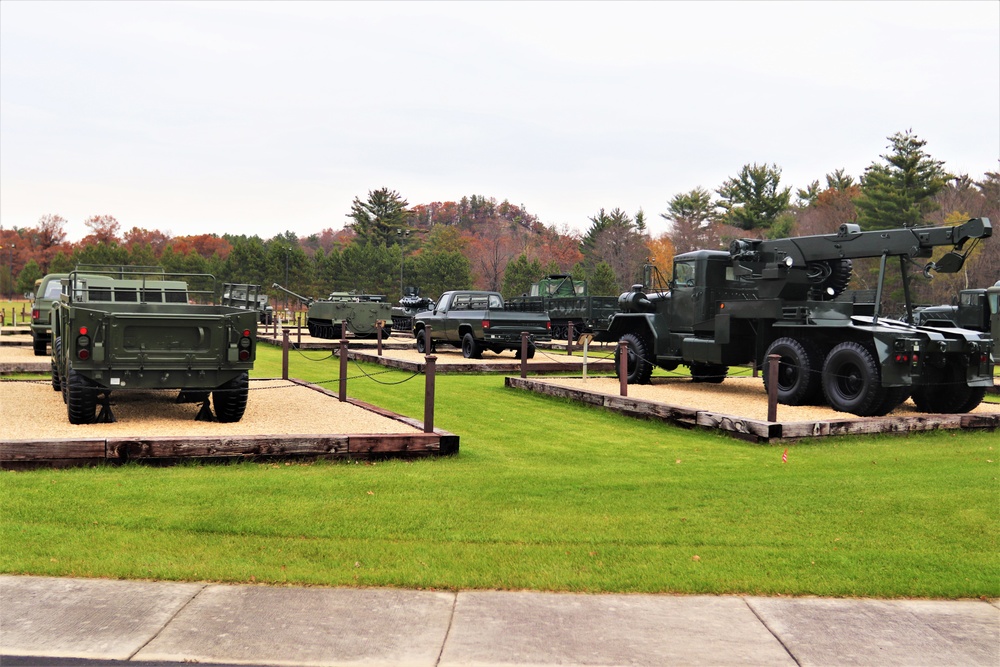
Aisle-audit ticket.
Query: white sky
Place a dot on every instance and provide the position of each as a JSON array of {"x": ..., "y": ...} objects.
[{"x": 263, "y": 117}]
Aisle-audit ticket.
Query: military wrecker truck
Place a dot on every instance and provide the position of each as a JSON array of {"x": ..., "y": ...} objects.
[
  {"x": 977, "y": 309},
  {"x": 779, "y": 297},
  {"x": 475, "y": 321},
  {"x": 567, "y": 300},
  {"x": 362, "y": 312},
  {"x": 118, "y": 329}
]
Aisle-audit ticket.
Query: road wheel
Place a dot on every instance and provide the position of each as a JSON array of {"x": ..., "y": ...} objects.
[
  {"x": 799, "y": 371},
  {"x": 639, "y": 366},
  {"x": 230, "y": 400},
  {"x": 851, "y": 380},
  {"x": 470, "y": 348},
  {"x": 40, "y": 346},
  {"x": 81, "y": 398},
  {"x": 710, "y": 373},
  {"x": 949, "y": 394}
]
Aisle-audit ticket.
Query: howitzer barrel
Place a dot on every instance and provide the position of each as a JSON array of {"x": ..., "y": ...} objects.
[{"x": 306, "y": 301}]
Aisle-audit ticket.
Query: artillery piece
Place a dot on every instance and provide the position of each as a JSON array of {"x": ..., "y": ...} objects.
[
  {"x": 361, "y": 312},
  {"x": 410, "y": 304}
]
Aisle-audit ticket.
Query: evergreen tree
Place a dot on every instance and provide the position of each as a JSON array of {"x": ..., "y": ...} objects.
[
  {"x": 753, "y": 199},
  {"x": 519, "y": 275},
  {"x": 691, "y": 216},
  {"x": 380, "y": 217},
  {"x": 603, "y": 281},
  {"x": 27, "y": 277},
  {"x": 901, "y": 192}
]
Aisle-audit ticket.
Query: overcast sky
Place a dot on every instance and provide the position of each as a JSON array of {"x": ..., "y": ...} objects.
[{"x": 263, "y": 117}]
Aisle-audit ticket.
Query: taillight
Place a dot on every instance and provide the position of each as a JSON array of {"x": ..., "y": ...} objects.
[
  {"x": 486, "y": 324},
  {"x": 548, "y": 325},
  {"x": 902, "y": 358},
  {"x": 83, "y": 341},
  {"x": 245, "y": 345},
  {"x": 35, "y": 313}
]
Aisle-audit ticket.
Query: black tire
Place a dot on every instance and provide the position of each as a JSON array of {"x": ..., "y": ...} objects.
[
  {"x": 40, "y": 346},
  {"x": 639, "y": 368},
  {"x": 894, "y": 396},
  {"x": 81, "y": 398},
  {"x": 57, "y": 352},
  {"x": 949, "y": 393},
  {"x": 421, "y": 343},
  {"x": 56, "y": 384},
  {"x": 230, "y": 399},
  {"x": 470, "y": 348},
  {"x": 852, "y": 381},
  {"x": 710, "y": 373},
  {"x": 799, "y": 371},
  {"x": 834, "y": 274},
  {"x": 531, "y": 351}
]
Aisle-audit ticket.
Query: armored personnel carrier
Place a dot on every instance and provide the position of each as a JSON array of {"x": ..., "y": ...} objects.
[
  {"x": 362, "y": 312},
  {"x": 118, "y": 329}
]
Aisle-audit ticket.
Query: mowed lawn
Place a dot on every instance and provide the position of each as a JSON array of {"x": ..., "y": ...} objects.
[{"x": 545, "y": 495}]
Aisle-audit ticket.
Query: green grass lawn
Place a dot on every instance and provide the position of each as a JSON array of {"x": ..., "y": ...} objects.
[{"x": 546, "y": 495}]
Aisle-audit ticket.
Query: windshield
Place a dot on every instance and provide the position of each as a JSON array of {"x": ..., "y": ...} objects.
[{"x": 683, "y": 273}]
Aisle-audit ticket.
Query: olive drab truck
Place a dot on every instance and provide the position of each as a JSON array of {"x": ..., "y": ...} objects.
[
  {"x": 784, "y": 297},
  {"x": 120, "y": 329},
  {"x": 567, "y": 301}
]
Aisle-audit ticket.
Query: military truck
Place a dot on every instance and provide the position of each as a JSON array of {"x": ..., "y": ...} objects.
[
  {"x": 46, "y": 293},
  {"x": 134, "y": 328},
  {"x": 475, "y": 321},
  {"x": 976, "y": 309},
  {"x": 248, "y": 297},
  {"x": 566, "y": 300},
  {"x": 410, "y": 304},
  {"x": 362, "y": 312},
  {"x": 778, "y": 296}
]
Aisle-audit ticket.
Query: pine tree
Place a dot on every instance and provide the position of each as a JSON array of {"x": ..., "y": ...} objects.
[{"x": 900, "y": 193}]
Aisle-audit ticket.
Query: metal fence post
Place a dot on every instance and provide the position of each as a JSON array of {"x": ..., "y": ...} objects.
[
  {"x": 378, "y": 334},
  {"x": 772, "y": 386},
  {"x": 569, "y": 338}
]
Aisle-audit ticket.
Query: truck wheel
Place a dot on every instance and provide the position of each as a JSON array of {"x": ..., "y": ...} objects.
[
  {"x": 230, "y": 399},
  {"x": 39, "y": 345},
  {"x": 799, "y": 370},
  {"x": 56, "y": 384},
  {"x": 711, "y": 373},
  {"x": 81, "y": 399},
  {"x": 639, "y": 367},
  {"x": 851, "y": 380},
  {"x": 531, "y": 351},
  {"x": 834, "y": 274},
  {"x": 949, "y": 394},
  {"x": 894, "y": 396},
  {"x": 421, "y": 343},
  {"x": 57, "y": 347},
  {"x": 470, "y": 348}
]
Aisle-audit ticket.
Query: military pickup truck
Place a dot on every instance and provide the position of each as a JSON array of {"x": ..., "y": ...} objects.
[
  {"x": 475, "y": 321},
  {"x": 135, "y": 328},
  {"x": 46, "y": 293}
]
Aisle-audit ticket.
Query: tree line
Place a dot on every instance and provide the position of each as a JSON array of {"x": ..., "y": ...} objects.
[{"x": 480, "y": 242}]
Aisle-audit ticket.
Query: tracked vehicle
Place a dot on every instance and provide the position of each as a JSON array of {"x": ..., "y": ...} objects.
[
  {"x": 118, "y": 329},
  {"x": 783, "y": 297},
  {"x": 362, "y": 312},
  {"x": 567, "y": 301},
  {"x": 410, "y": 304}
]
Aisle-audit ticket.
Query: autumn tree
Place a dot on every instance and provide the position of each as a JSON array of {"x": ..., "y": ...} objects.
[
  {"x": 691, "y": 216},
  {"x": 661, "y": 252},
  {"x": 900, "y": 193},
  {"x": 380, "y": 217},
  {"x": 753, "y": 199},
  {"x": 103, "y": 229}
]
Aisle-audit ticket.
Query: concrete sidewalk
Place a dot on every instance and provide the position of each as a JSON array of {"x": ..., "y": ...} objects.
[{"x": 144, "y": 621}]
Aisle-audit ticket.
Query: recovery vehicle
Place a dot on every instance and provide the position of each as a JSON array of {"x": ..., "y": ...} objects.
[{"x": 780, "y": 297}]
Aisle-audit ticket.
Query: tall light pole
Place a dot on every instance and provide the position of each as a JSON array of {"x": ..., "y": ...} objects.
[{"x": 402, "y": 255}]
